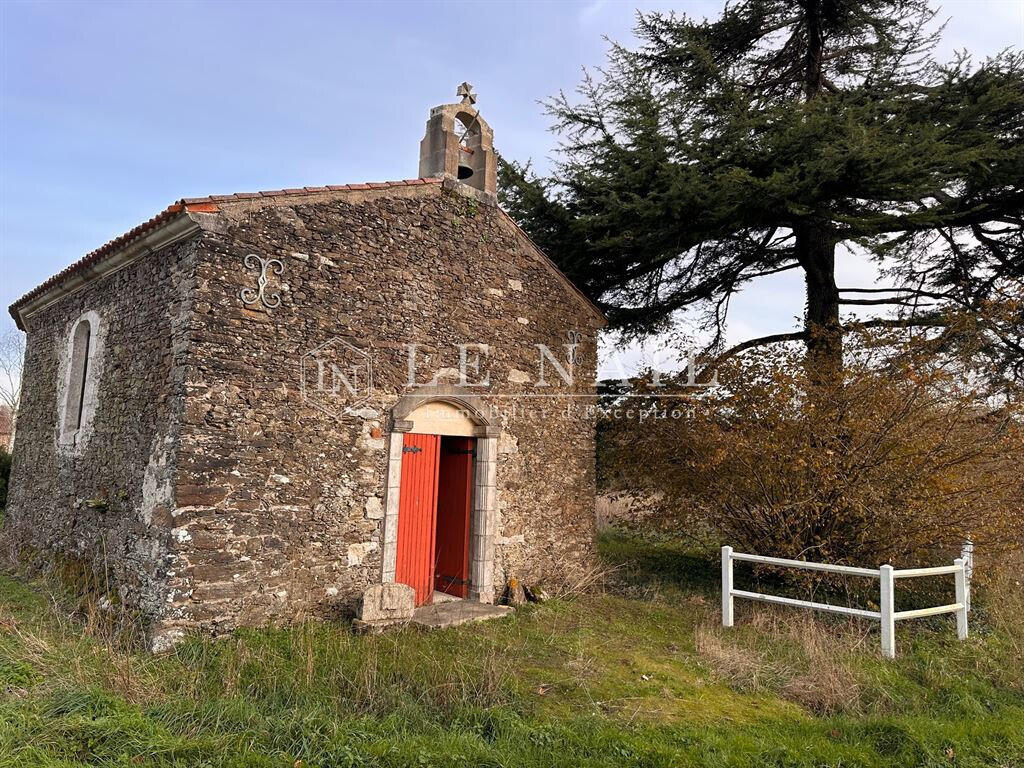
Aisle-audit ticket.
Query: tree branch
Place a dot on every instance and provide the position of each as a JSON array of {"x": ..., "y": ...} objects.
[
  {"x": 761, "y": 341},
  {"x": 894, "y": 300},
  {"x": 915, "y": 291},
  {"x": 927, "y": 321}
]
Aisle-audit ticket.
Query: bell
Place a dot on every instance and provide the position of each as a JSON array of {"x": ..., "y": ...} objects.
[{"x": 465, "y": 169}]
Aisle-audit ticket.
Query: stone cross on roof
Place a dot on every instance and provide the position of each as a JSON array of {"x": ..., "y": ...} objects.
[{"x": 466, "y": 92}]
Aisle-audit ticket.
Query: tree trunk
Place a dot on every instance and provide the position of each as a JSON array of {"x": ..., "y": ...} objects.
[
  {"x": 814, "y": 79},
  {"x": 815, "y": 247},
  {"x": 823, "y": 363},
  {"x": 816, "y": 252}
]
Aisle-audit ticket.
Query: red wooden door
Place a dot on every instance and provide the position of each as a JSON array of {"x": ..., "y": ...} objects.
[
  {"x": 417, "y": 515},
  {"x": 455, "y": 488}
]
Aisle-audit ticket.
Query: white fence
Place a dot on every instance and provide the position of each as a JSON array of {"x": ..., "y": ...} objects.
[{"x": 886, "y": 575}]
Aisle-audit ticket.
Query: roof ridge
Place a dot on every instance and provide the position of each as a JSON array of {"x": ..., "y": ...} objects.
[{"x": 307, "y": 191}]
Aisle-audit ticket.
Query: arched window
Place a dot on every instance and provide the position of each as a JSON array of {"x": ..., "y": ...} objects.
[
  {"x": 81, "y": 343},
  {"x": 79, "y": 378}
]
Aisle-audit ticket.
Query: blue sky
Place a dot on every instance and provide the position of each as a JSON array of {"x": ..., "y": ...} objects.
[{"x": 111, "y": 111}]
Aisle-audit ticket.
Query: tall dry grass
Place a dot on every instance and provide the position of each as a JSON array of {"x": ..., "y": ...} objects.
[
  {"x": 80, "y": 645},
  {"x": 790, "y": 654},
  {"x": 1004, "y": 614}
]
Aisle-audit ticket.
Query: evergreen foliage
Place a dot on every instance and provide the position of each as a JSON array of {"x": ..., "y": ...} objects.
[{"x": 781, "y": 136}]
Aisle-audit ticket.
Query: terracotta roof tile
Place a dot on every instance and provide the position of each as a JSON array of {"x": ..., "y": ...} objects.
[
  {"x": 196, "y": 205},
  {"x": 202, "y": 207}
]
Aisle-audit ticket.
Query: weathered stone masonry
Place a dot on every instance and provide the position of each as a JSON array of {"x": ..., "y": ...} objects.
[
  {"x": 184, "y": 434},
  {"x": 242, "y": 501},
  {"x": 107, "y": 503},
  {"x": 284, "y": 504}
]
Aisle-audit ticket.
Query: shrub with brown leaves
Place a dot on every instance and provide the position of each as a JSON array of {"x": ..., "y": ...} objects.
[{"x": 900, "y": 462}]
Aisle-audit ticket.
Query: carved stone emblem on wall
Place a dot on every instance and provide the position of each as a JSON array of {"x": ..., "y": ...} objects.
[
  {"x": 259, "y": 295},
  {"x": 575, "y": 339}
]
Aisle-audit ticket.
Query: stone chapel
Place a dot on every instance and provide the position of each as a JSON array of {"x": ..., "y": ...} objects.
[{"x": 254, "y": 407}]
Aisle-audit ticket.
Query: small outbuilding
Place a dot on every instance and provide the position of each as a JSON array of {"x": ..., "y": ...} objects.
[{"x": 253, "y": 407}]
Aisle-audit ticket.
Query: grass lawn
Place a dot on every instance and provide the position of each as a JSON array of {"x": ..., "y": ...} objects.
[{"x": 634, "y": 674}]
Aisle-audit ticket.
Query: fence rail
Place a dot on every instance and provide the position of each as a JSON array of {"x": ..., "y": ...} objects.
[{"x": 886, "y": 575}]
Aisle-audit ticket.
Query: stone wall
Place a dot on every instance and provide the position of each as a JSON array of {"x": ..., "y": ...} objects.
[
  {"x": 103, "y": 503},
  {"x": 219, "y": 484},
  {"x": 280, "y": 493}
]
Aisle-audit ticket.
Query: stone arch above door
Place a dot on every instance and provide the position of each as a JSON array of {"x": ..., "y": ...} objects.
[
  {"x": 451, "y": 413},
  {"x": 448, "y": 403}
]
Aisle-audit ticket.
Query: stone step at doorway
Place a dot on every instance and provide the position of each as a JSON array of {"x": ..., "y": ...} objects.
[{"x": 453, "y": 612}]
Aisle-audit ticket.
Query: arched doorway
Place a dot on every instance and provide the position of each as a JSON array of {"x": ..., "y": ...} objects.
[{"x": 439, "y": 536}]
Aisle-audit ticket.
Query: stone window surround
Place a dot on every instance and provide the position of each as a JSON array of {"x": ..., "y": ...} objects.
[
  {"x": 483, "y": 516},
  {"x": 72, "y": 390}
]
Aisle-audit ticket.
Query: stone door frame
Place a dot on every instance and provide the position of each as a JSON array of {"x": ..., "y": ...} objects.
[{"x": 483, "y": 517}]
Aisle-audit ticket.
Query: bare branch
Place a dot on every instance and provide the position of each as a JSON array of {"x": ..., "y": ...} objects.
[{"x": 12, "y": 358}]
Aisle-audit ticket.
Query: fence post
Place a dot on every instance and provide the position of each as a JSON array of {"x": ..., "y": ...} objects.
[
  {"x": 967, "y": 553},
  {"x": 885, "y": 604},
  {"x": 961, "y": 597},
  {"x": 727, "y": 586}
]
